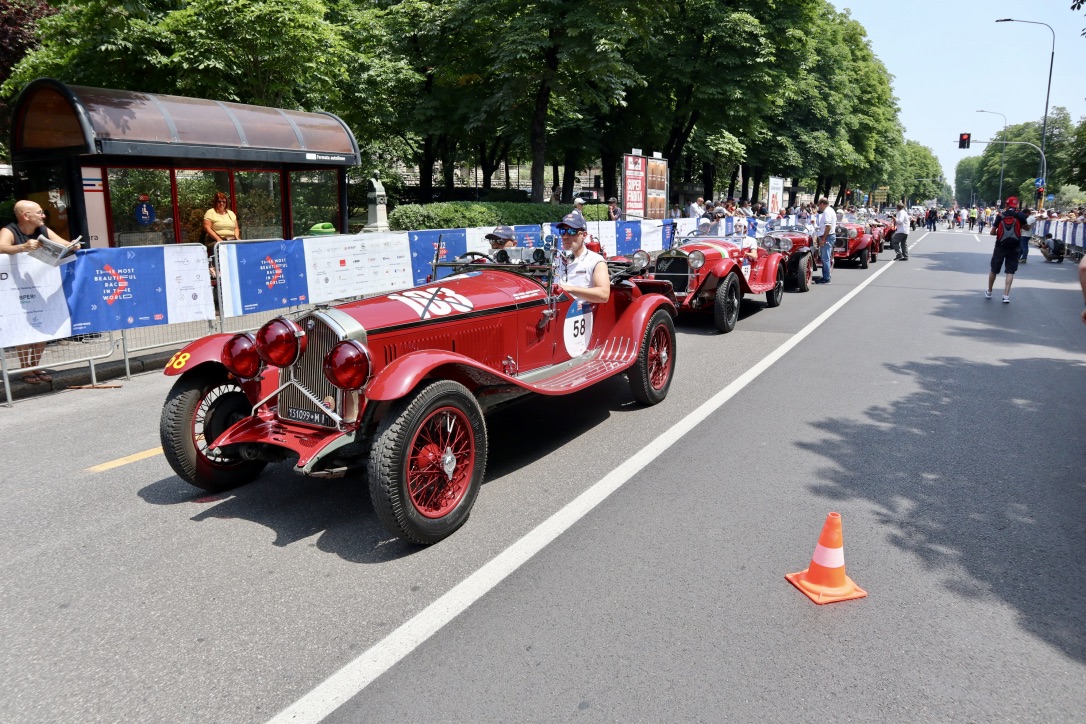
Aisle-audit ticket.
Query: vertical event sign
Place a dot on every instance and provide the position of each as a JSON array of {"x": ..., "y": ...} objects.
[
  {"x": 776, "y": 194},
  {"x": 644, "y": 186},
  {"x": 656, "y": 189},
  {"x": 32, "y": 304},
  {"x": 340, "y": 267},
  {"x": 633, "y": 185},
  {"x": 113, "y": 289},
  {"x": 261, "y": 276},
  {"x": 627, "y": 237}
]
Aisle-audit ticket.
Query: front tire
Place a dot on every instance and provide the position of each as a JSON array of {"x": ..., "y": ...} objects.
[
  {"x": 726, "y": 304},
  {"x": 650, "y": 377},
  {"x": 865, "y": 258},
  {"x": 427, "y": 462},
  {"x": 201, "y": 406},
  {"x": 804, "y": 273},
  {"x": 774, "y": 296}
]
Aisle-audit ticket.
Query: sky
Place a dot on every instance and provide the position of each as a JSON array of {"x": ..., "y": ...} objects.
[{"x": 949, "y": 58}]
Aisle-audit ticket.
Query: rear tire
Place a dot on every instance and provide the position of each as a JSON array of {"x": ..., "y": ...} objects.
[
  {"x": 427, "y": 462},
  {"x": 865, "y": 258},
  {"x": 200, "y": 407},
  {"x": 650, "y": 377},
  {"x": 726, "y": 304}
]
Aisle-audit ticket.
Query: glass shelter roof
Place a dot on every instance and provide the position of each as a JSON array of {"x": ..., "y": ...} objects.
[{"x": 51, "y": 118}]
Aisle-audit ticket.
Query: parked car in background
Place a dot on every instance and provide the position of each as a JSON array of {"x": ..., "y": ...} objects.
[{"x": 795, "y": 244}]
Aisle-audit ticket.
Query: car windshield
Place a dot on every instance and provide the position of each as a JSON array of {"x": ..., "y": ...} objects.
[
  {"x": 788, "y": 223},
  {"x": 849, "y": 219}
]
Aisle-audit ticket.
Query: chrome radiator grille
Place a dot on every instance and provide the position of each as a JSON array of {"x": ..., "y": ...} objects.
[
  {"x": 308, "y": 371},
  {"x": 675, "y": 269}
]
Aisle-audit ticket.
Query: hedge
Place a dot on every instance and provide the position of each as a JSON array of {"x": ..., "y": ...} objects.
[{"x": 467, "y": 214}]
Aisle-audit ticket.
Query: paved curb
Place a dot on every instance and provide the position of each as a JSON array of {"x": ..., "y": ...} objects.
[{"x": 103, "y": 371}]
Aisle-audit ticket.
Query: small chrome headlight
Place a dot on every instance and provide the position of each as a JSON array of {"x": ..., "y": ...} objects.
[
  {"x": 640, "y": 260},
  {"x": 697, "y": 260}
]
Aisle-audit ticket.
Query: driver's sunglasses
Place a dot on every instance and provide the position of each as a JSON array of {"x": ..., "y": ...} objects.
[{"x": 568, "y": 232}]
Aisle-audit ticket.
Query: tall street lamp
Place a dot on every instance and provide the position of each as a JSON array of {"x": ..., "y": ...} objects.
[
  {"x": 1051, "y": 61},
  {"x": 1003, "y": 156}
]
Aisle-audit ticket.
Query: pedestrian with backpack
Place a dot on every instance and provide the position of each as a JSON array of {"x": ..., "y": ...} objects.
[{"x": 1009, "y": 228}]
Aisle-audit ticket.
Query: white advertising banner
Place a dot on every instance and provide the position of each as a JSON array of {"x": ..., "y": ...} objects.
[
  {"x": 32, "y": 303},
  {"x": 188, "y": 284},
  {"x": 340, "y": 267},
  {"x": 776, "y": 194}
]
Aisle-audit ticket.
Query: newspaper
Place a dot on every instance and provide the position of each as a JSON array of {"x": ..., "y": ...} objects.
[{"x": 54, "y": 253}]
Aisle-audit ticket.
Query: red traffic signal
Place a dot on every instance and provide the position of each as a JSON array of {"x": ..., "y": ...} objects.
[{"x": 964, "y": 139}]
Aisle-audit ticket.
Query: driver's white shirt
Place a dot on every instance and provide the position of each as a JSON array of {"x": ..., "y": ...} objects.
[
  {"x": 578, "y": 271},
  {"x": 827, "y": 217}
]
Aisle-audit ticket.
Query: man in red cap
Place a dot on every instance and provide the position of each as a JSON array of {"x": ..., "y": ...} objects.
[{"x": 1009, "y": 228}]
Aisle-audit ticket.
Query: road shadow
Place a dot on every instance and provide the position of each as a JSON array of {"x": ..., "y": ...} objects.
[
  {"x": 1039, "y": 315},
  {"x": 339, "y": 511},
  {"x": 974, "y": 475}
]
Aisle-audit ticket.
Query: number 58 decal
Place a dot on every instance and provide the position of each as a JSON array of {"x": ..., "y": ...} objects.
[{"x": 434, "y": 302}]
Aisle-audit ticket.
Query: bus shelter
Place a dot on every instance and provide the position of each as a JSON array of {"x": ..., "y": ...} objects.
[{"x": 123, "y": 168}]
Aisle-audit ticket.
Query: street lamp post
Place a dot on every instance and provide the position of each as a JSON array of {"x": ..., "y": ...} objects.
[
  {"x": 1051, "y": 62},
  {"x": 1003, "y": 155}
]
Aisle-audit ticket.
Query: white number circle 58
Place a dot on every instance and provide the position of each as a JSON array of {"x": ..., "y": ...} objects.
[{"x": 577, "y": 328}]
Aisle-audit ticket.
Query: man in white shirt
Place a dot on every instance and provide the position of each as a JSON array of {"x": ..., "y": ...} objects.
[
  {"x": 695, "y": 210},
  {"x": 899, "y": 241},
  {"x": 582, "y": 273},
  {"x": 826, "y": 230}
]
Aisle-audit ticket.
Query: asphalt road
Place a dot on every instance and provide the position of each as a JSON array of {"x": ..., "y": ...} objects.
[{"x": 945, "y": 428}]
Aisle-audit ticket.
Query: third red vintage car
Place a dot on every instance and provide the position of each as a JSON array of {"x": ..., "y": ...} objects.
[
  {"x": 855, "y": 241},
  {"x": 396, "y": 386},
  {"x": 712, "y": 273}
]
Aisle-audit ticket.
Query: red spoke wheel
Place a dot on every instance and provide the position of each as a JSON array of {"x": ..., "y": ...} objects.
[
  {"x": 201, "y": 406},
  {"x": 427, "y": 462},
  {"x": 651, "y": 375}
]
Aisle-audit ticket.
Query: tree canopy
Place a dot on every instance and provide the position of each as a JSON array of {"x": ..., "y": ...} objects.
[{"x": 782, "y": 87}]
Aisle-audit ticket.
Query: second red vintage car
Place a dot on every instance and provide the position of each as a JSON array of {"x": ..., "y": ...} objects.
[
  {"x": 396, "y": 386},
  {"x": 795, "y": 243},
  {"x": 712, "y": 274}
]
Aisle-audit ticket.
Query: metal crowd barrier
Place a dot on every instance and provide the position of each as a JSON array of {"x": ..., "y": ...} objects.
[{"x": 87, "y": 348}]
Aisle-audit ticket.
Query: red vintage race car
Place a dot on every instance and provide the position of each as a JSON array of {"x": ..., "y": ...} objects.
[
  {"x": 795, "y": 244},
  {"x": 855, "y": 241},
  {"x": 709, "y": 273},
  {"x": 397, "y": 385}
]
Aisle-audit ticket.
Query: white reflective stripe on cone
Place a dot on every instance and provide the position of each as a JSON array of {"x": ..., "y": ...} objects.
[{"x": 829, "y": 557}]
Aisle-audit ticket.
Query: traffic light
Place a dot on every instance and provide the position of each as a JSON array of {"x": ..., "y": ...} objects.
[{"x": 963, "y": 140}]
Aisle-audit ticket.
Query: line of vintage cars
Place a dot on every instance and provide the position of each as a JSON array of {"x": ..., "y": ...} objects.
[{"x": 394, "y": 389}]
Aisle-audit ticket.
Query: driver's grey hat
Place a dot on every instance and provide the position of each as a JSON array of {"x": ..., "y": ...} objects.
[{"x": 502, "y": 233}]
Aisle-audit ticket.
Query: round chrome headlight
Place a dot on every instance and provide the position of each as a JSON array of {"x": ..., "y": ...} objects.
[
  {"x": 697, "y": 260},
  {"x": 640, "y": 259}
]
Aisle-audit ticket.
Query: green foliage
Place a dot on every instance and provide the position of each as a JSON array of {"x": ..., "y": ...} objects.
[
  {"x": 1069, "y": 196},
  {"x": 7, "y": 211},
  {"x": 465, "y": 214}
]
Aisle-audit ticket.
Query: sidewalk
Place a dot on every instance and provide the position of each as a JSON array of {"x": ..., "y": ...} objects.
[{"x": 76, "y": 376}]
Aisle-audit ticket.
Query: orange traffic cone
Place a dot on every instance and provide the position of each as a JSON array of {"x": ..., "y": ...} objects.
[{"x": 825, "y": 580}]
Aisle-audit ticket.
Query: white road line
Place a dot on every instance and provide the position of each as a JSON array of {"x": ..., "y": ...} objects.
[
  {"x": 341, "y": 686},
  {"x": 977, "y": 237}
]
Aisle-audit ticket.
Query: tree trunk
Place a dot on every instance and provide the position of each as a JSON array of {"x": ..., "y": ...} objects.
[
  {"x": 555, "y": 176},
  {"x": 756, "y": 186},
  {"x": 426, "y": 170},
  {"x": 569, "y": 175},
  {"x": 490, "y": 158},
  {"x": 609, "y": 161},
  {"x": 735, "y": 178},
  {"x": 447, "y": 150},
  {"x": 744, "y": 190},
  {"x": 841, "y": 193},
  {"x": 708, "y": 177},
  {"x": 538, "y": 130}
]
